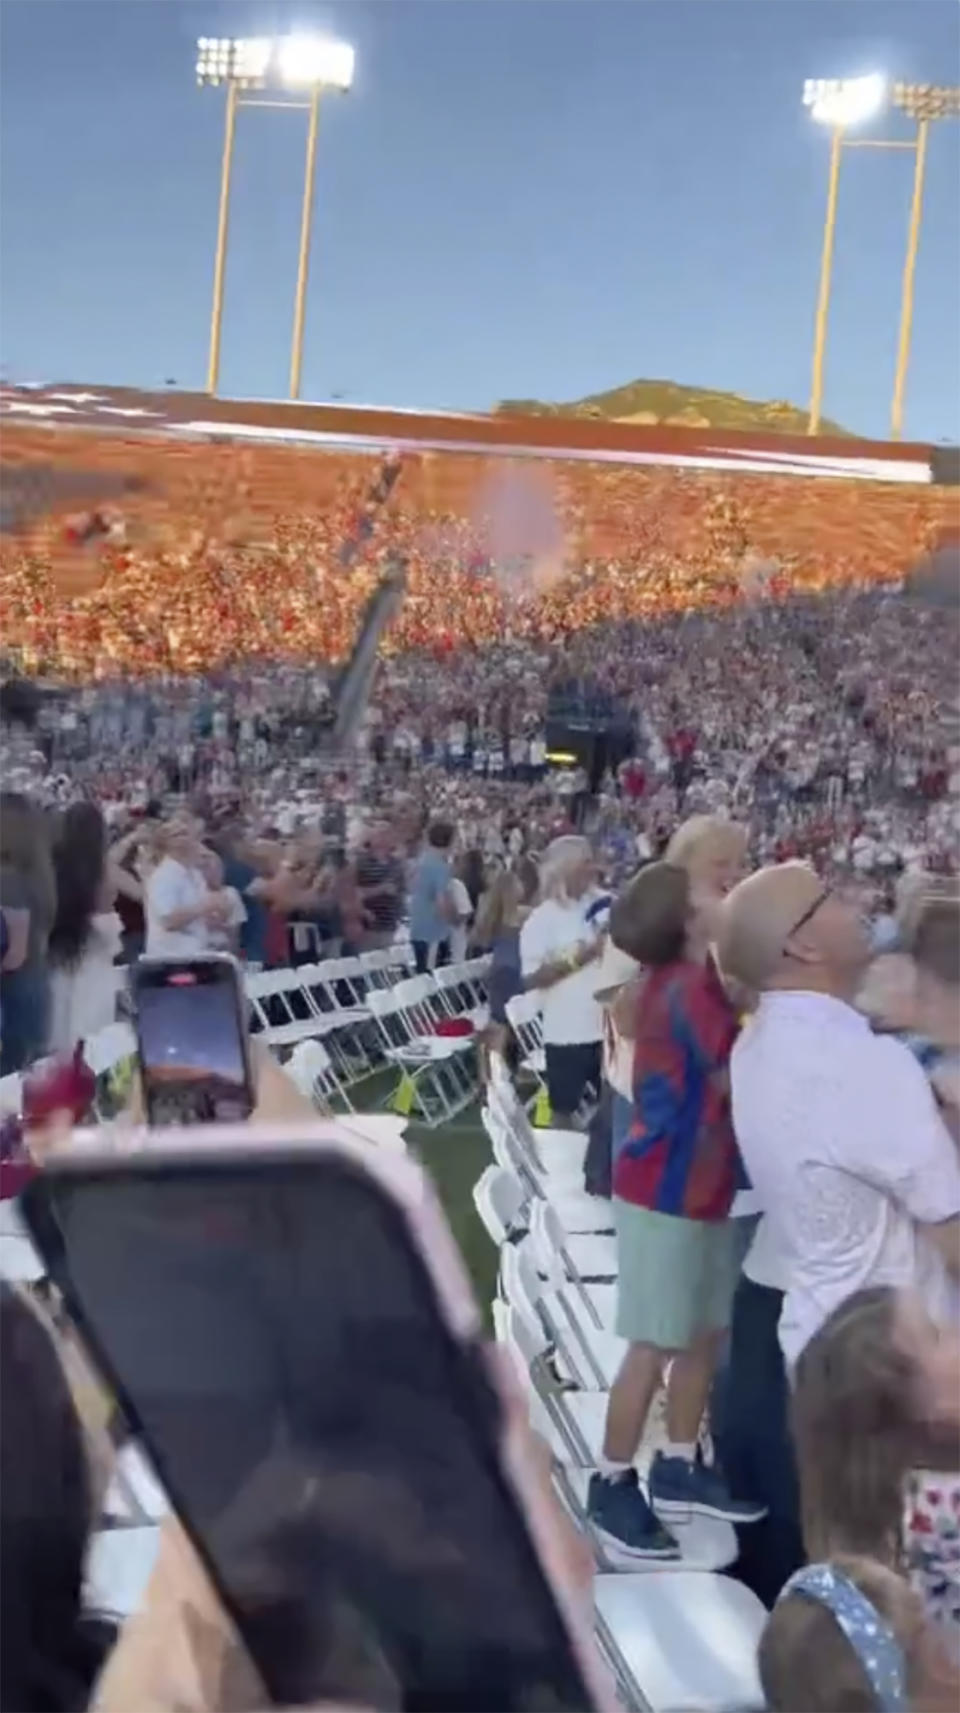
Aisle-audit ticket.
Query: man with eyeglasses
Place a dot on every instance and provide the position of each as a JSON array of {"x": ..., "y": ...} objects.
[
  {"x": 851, "y": 1165},
  {"x": 856, "y": 1173}
]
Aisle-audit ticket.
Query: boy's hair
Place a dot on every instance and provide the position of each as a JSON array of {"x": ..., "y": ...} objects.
[
  {"x": 807, "y": 1664},
  {"x": 649, "y": 918},
  {"x": 440, "y": 835}
]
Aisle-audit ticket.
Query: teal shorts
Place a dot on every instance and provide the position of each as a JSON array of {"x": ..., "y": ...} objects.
[{"x": 676, "y": 1277}]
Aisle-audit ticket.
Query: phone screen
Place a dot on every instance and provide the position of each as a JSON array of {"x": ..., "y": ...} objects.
[
  {"x": 273, "y": 1334},
  {"x": 191, "y": 1028}
]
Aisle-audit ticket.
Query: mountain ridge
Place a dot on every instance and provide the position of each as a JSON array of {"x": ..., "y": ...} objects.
[{"x": 674, "y": 405}]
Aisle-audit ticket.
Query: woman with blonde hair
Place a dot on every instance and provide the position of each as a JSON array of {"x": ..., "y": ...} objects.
[
  {"x": 500, "y": 916},
  {"x": 559, "y": 942},
  {"x": 712, "y": 850},
  {"x": 27, "y": 884}
]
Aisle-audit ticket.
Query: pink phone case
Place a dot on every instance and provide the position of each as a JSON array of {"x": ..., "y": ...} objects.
[{"x": 411, "y": 1190}]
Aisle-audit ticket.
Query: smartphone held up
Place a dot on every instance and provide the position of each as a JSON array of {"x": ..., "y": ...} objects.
[
  {"x": 287, "y": 1326},
  {"x": 193, "y": 1040}
]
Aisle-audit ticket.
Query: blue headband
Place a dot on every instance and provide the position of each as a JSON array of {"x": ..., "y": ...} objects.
[{"x": 869, "y": 1635}]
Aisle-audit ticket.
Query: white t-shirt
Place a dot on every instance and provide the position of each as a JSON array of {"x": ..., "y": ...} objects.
[
  {"x": 849, "y": 1158},
  {"x": 570, "y": 1010},
  {"x": 172, "y": 887}
]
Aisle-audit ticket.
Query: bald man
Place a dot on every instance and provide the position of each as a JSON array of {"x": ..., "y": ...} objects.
[{"x": 856, "y": 1173}]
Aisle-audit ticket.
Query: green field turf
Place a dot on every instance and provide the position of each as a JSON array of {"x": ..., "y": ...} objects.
[{"x": 454, "y": 1155}]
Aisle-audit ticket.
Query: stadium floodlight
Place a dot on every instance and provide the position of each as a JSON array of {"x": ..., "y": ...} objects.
[
  {"x": 281, "y": 62},
  {"x": 925, "y": 101},
  {"x": 845, "y": 101},
  {"x": 295, "y": 65},
  {"x": 303, "y": 62},
  {"x": 842, "y": 103}
]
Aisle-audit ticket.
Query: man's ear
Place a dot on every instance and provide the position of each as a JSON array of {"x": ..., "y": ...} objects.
[{"x": 800, "y": 950}]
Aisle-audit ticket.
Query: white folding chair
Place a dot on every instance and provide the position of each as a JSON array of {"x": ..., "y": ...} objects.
[
  {"x": 280, "y": 1008},
  {"x": 559, "y": 1265},
  {"x": 577, "y": 1424},
  {"x": 331, "y": 990},
  {"x": 576, "y": 1210},
  {"x": 346, "y": 974},
  {"x": 682, "y": 1638},
  {"x": 577, "y": 1417},
  {"x": 375, "y": 967},
  {"x": 474, "y": 975},
  {"x": 499, "y": 1199},
  {"x": 587, "y": 1256},
  {"x": 560, "y": 1154},
  {"x": 525, "y": 1017},
  {"x": 312, "y": 1069},
  {"x": 591, "y": 1363},
  {"x": 440, "y": 1069}
]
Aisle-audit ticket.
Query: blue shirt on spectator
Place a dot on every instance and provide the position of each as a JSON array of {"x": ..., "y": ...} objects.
[{"x": 428, "y": 884}]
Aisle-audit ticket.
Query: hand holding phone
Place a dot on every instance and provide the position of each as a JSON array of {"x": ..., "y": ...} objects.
[
  {"x": 289, "y": 1332},
  {"x": 193, "y": 1040}
]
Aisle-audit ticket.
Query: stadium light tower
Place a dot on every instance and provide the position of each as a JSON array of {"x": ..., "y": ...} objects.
[
  {"x": 296, "y": 66},
  {"x": 921, "y": 102},
  {"x": 843, "y": 103}
]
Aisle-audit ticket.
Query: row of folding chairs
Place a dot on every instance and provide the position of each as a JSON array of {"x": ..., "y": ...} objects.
[
  {"x": 673, "y": 1635},
  {"x": 362, "y": 1021},
  {"x": 525, "y": 1016},
  {"x": 437, "y": 1067}
]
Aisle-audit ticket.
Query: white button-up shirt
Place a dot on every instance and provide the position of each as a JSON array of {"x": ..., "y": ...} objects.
[{"x": 848, "y": 1155}]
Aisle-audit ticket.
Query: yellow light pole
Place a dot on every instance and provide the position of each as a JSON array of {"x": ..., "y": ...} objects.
[
  {"x": 826, "y": 277},
  {"x": 921, "y": 102},
  {"x": 309, "y": 64},
  {"x": 909, "y": 274},
  {"x": 842, "y": 103},
  {"x": 303, "y": 264},
  {"x": 223, "y": 222}
]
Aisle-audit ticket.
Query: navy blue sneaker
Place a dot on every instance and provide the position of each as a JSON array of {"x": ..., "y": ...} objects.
[
  {"x": 679, "y": 1488},
  {"x": 620, "y": 1514}
]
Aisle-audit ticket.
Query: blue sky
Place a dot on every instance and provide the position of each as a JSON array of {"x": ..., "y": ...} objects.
[{"x": 519, "y": 198}]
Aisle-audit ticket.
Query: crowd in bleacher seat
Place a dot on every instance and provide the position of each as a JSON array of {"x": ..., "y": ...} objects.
[
  {"x": 231, "y": 554},
  {"x": 744, "y": 1274}
]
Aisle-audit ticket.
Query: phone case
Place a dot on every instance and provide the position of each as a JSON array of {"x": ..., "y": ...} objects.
[
  {"x": 241, "y": 1005},
  {"x": 411, "y": 1190}
]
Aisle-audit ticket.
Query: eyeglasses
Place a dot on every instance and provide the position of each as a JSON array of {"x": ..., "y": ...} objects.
[{"x": 808, "y": 914}]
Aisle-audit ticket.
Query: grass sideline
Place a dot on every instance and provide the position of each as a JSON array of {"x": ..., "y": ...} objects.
[{"x": 454, "y": 1155}]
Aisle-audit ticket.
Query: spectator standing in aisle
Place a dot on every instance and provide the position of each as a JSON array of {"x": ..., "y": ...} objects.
[
  {"x": 559, "y": 944},
  {"x": 432, "y": 907},
  {"x": 673, "y": 1185},
  {"x": 503, "y": 909},
  {"x": 180, "y": 908},
  {"x": 379, "y": 878},
  {"x": 87, "y": 932}
]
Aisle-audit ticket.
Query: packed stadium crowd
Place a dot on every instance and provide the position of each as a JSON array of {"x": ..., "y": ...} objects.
[
  {"x": 229, "y": 554},
  {"x": 170, "y": 787}
]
